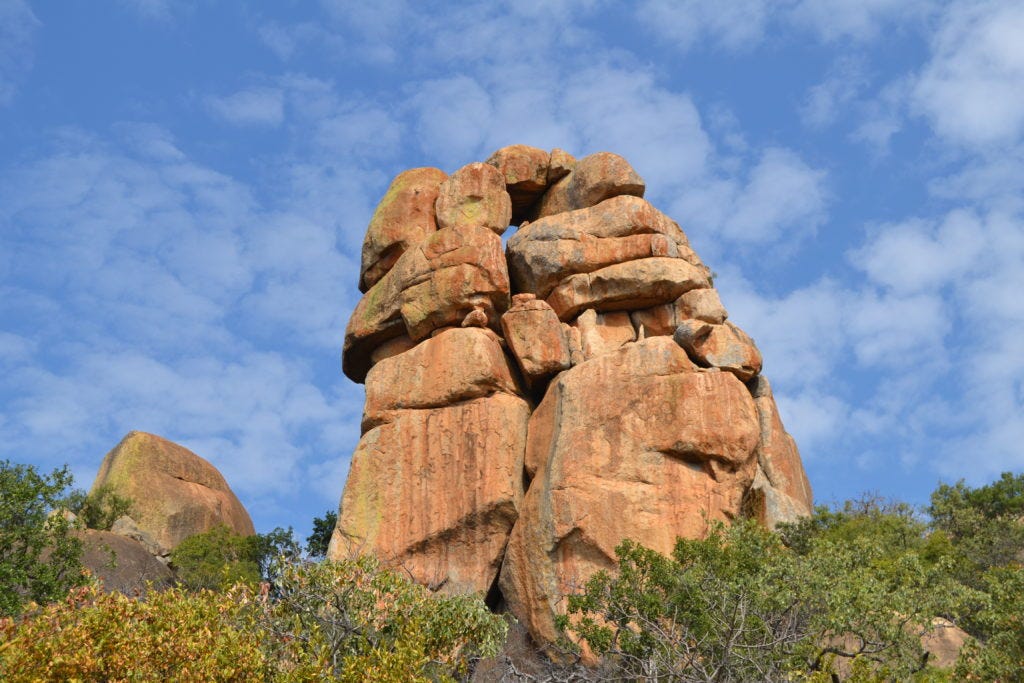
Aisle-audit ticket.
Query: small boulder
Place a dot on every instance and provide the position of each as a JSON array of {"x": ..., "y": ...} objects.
[
  {"x": 720, "y": 346},
  {"x": 403, "y": 218},
  {"x": 602, "y": 333},
  {"x": 593, "y": 179},
  {"x": 535, "y": 337},
  {"x": 560, "y": 164},
  {"x": 475, "y": 197},
  {"x": 525, "y": 170},
  {"x": 626, "y": 286}
]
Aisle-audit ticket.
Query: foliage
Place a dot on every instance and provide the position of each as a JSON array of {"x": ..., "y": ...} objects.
[
  {"x": 220, "y": 557},
  {"x": 984, "y": 526},
  {"x": 273, "y": 550},
  {"x": 323, "y": 528},
  {"x": 740, "y": 605},
  {"x": 172, "y": 635},
  {"x": 355, "y": 620},
  {"x": 98, "y": 509},
  {"x": 348, "y": 621},
  {"x": 998, "y": 655},
  {"x": 39, "y": 559},
  {"x": 216, "y": 559}
]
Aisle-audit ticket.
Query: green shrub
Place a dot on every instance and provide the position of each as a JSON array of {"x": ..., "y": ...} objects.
[
  {"x": 39, "y": 560},
  {"x": 356, "y": 621},
  {"x": 323, "y": 528},
  {"x": 216, "y": 559},
  {"x": 740, "y": 605},
  {"x": 98, "y": 509}
]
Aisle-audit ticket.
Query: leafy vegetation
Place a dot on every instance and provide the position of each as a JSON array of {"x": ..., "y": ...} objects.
[
  {"x": 348, "y": 621},
  {"x": 842, "y": 595},
  {"x": 97, "y": 509},
  {"x": 39, "y": 559},
  {"x": 323, "y": 528},
  {"x": 356, "y": 621},
  {"x": 845, "y": 592}
]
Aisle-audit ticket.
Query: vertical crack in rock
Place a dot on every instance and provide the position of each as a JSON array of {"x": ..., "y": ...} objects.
[{"x": 526, "y": 411}]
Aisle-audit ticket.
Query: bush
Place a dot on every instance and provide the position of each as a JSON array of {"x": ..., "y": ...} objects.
[
  {"x": 39, "y": 560},
  {"x": 347, "y": 621},
  {"x": 172, "y": 635},
  {"x": 854, "y": 594},
  {"x": 984, "y": 526},
  {"x": 356, "y": 621},
  {"x": 97, "y": 509},
  {"x": 216, "y": 559}
]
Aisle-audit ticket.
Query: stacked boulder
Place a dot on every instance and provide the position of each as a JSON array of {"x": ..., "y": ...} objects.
[{"x": 528, "y": 409}]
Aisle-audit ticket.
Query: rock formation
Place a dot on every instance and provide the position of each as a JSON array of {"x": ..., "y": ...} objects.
[
  {"x": 174, "y": 492},
  {"x": 528, "y": 410}
]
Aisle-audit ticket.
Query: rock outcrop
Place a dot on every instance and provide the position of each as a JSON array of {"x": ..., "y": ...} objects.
[
  {"x": 527, "y": 411},
  {"x": 175, "y": 493}
]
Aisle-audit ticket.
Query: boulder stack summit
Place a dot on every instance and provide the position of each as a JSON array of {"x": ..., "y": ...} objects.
[{"x": 528, "y": 408}]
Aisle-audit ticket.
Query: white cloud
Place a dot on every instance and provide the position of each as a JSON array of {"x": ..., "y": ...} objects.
[
  {"x": 801, "y": 333},
  {"x": 158, "y": 290},
  {"x": 738, "y": 25},
  {"x": 826, "y": 100},
  {"x": 17, "y": 26},
  {"x": 859, "y": 20},
  {"x": 454, "y": 116},
  {"x": 972, "y": 89},
  {"x": 252, "y": 107},
  {"x": 921, "y": 255},
  {"x": 781, "y": 201}
]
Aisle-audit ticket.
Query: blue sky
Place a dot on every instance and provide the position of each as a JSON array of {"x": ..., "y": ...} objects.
[{"x": 184, "y": 188}]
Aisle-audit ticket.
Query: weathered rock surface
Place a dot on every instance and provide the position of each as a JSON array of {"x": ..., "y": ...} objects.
[
  {"x": 436, "y": 491},
  {"x": 625, "y": 286},
  {"x": 625, "y": 228},
  {"x": 404, "y": 218},
  {"x": 720, "y": 346},
  {"x": 777, "y": 452},
  {"x": 593, "y": 179},
  {"x": 121, "y": 564},
  {"x": 536, "y": 338},
  {"x": 525, "y": 170},
  {"x": 636, "y": 443},
  {"x": 175, "y": 493},
  {"x": 474, "y": 197},
  {"x": 425, "y": 377},
  {"x": 435, "y": 284},
  {"x": 697, "y": 304},
  {"x": 618, "y": 401},
  {"x": 602, "y": 333}
]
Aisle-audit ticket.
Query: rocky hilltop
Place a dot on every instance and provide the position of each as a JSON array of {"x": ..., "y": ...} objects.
[{"x": 528, "y": 408}]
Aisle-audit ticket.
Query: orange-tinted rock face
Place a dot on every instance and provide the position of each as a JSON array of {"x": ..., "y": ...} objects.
[
  {"x": 593, "y": 179},
  {"x": 437, "y": 490},
  {"x": 175, "y": 493},
  {"x": 525, "y": 170},
  {"x": 536, "y": 338},
  {"x": 611, "y": 400},
  {"x": 435, "y": 284},
  {"x": 636, "y": 443},
  {"x": 474, "y": 197},
  {"x": 404, "y": 217}
]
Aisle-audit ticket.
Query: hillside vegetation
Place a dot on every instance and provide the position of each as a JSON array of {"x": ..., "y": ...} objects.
[{"x": 845, "y": 594}]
